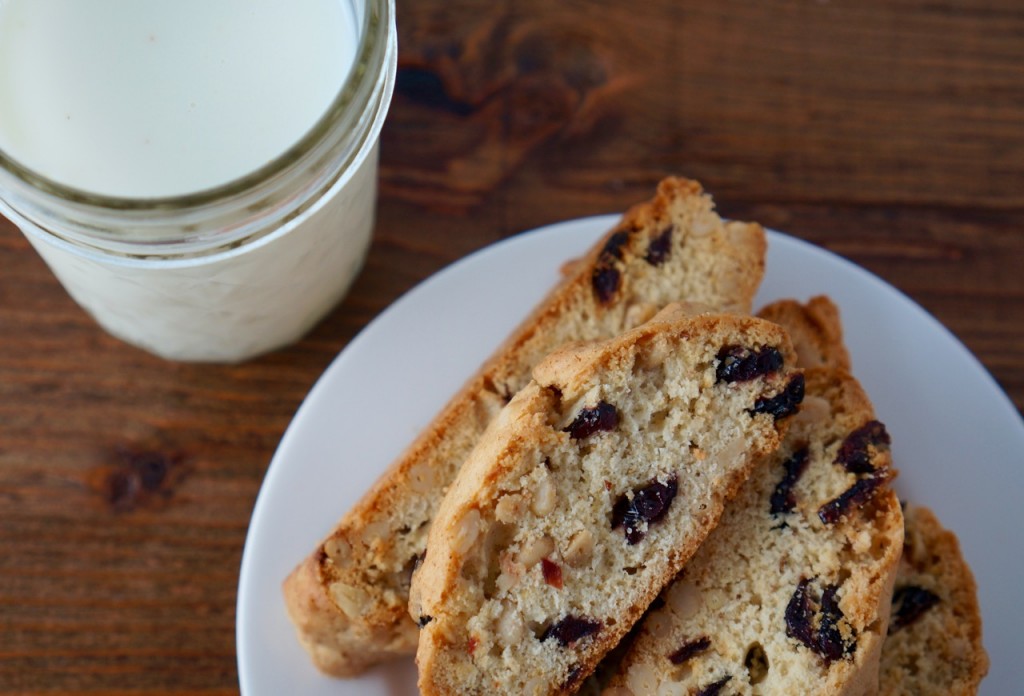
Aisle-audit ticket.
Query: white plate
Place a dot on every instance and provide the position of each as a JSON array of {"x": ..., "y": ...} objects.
[{"x": 957, "y": 439}]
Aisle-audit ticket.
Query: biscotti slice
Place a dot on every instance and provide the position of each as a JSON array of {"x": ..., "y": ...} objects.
[
  {"x": 348, "y": 599},
  {"x": 790, "y": 593},
  {"x": 816, "y": 333},
  {"x": 934, "y": 644},
  {"x": 591, "y": 489}
]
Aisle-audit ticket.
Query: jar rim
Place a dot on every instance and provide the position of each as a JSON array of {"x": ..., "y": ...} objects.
[{"x": 372, "y": 40}]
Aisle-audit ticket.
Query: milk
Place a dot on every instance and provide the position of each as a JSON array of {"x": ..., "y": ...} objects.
[
  {"x": 148, "y": 98},
  {"x": 144, "y": 100},
  {"x": 152, "y": 98}
]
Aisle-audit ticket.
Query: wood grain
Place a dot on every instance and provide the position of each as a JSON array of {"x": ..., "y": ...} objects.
[{"x": 888, "y": 132}]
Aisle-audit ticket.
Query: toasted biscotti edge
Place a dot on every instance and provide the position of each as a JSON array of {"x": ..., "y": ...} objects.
[
  {"x": 524, "y": 425},
  {"x": 348, "y": 598},
  {"x": 940, "y": 652},
  {"x": 815, "y": 328}
]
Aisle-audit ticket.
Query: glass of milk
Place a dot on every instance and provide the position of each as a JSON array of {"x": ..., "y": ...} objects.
[{"x": 200, "y": 175}]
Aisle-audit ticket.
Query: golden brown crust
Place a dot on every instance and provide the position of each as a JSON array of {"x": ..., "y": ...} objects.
[
  {"x": 815, "y": 328},
  {"x": 677, "y": 422},
  {"x": 939, "y": 653},
  {"x": 369, "y": 556},
  {"x": 306, "y": 598}
]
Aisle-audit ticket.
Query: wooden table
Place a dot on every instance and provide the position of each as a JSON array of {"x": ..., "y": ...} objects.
[{"x": 891, "y": 133}]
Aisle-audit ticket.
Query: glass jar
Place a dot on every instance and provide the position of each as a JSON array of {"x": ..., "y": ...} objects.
[{"x": 240, "y": 269}]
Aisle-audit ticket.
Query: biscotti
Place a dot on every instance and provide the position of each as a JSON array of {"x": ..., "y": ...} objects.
[
  {"x": 815, "y": 329},
  {"x": 934, "y": 644},
  {"x": 587, "y": 494},
  {"x": 348, "y": 598},
  {"x": 790, "y": 594}
]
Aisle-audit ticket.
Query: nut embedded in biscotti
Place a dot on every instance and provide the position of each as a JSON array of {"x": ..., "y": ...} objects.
[
  {"x": 338, "y": 549},
  {"x": 350, "y": 599},
  {"x": 466, "y": 532},
  {"x": 544, "y": 497},
  {"x": 536, "y": 549},
  {"x": 509, "y": 508},
  {"x": 511, "y": 627},
  {"x": 581, "y": 548},
  {"x": 684, "y": 598}
]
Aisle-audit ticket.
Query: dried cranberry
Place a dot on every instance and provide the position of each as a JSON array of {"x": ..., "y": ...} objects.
[
  {"x": 657, "y": 250},
  {"x": 785, "y": 402},
  {"x": 782, "y": 499},
  {"x": 714, "y": 688},
  {"x": 856, "y": 495},
  {"x": 605, "y": 280},
  {"x": 649, "y": 504},
  {"x": 613, "y": 247},
  {"x": 690, "y": 650},
  {"x": 831, "y": 644},
  {"x": 800, "y": 616},
  {"x": 827, "y": 641},
  {"x": 854, "y": 454},
  {"x": 909, "y": 604},
  {"x": 606, "y": 276},
  {"x": 472, "y": 644},
  {"x": 570, "y": 629},
  {"x": 604, "y": 416},
  {"x": 552, "y": 573},
  {"x": 575, "y": 673},
  {"x": 739, "y": 364}
]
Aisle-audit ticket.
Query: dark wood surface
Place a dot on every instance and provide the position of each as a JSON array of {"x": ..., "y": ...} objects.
[{"x": 889, "y": 132}]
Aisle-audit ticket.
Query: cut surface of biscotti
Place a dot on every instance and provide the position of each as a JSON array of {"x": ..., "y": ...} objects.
[
  {"x": 587, "y": 494},
  {"x": 348, "y": 599},
  {"x": 934, "y": 644},
  {"x": 790, "y": 593},
  {"x": 816, "y": 332}
]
